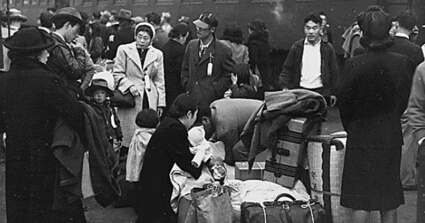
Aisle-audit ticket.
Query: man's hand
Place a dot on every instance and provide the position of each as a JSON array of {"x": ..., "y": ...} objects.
[
  {"x": 160, "y": 111},
  {"x": 333, "y": 100},
  {"x": 234, "y": 78}
]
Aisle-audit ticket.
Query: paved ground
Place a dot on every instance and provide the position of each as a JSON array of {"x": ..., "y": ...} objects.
[{"x": 97, "y": 214}]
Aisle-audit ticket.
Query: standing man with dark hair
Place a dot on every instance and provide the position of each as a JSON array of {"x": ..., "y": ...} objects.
[
  {"x": 311, "y": 63},
  {"x": 207, "y": 63},
  {"x": 66, "y": 60},
  {"x": 403, "y": 27},
  {"x": 161, "y": 37},
  {"x": 46, "y": 23}
]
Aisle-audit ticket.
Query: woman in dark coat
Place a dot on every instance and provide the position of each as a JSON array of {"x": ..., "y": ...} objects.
[
  {"x": 32, "y": 99},
  {"x": 173, "y": 52},
  {"x": 259, "y": 52},
  {"x": 374, "y": 94},
  {"x": 168, "y": 145}
]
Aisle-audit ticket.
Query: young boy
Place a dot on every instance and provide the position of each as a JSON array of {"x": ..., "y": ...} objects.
[{"x": 99, "y": 91}]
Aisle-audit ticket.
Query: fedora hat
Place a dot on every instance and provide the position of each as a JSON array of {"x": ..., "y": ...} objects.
[
  {"x": 39, "y": 40},
  {"x": 124, "y": 14},
  {"x": 70, "y": 13},
  {"x": 15, "y": 14}
]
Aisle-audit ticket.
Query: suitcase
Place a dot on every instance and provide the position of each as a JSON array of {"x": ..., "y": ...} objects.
[
  {"x": 326, "y": 163},
  {"x": 242, "y": 171},
  {"x": 283, "y": 162},
  {"x": 277, "y": 211}
]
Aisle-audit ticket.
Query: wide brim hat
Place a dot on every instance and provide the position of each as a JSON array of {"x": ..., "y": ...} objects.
[
  {"x": 124, "y": 14},
  {"x": 15, "y": 14},
  {"x": 69, "y": 13},
  {"x": 39, "y": 40},
  {"x": 206, "y": 20},
  {"x": 98, "y": 84}
]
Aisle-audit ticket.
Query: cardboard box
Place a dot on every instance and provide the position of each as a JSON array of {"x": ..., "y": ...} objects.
[
  {"x": 257, "y": 171},
  {"x": 290, "y": 151}
]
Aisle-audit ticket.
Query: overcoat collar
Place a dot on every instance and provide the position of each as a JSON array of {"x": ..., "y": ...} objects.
[
  {"x": 133, "y": 54},
  {"x": 210, "y": 52}
]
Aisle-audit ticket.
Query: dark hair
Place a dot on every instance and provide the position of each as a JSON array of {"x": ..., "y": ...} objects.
[
  {"x": 96, "y": 15},
  {"x": 14, "y": 55},
  {"x": 154, "y": 18},
  {"x": 60, "y": 22},
  {"x": 406, "y": 19},
  {"x": 144, "y": 28},
  {"x": 147, "y": 118},
  {"x": 46, "y": 19},
  {"x": 203, "y": 111},
  {"x": 314, "y": 17},
  {"x": 179, "y": 29},
  {"x": 323, "y": 13},
  {"x": 243, "y": 72},
  {"x": 182, "y": 105},
  {"x": 233, "y": 33},
  {"x": 96, "y": 30}
]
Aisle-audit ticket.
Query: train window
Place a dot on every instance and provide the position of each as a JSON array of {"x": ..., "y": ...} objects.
[
  {"x": 34, "y": 2},
  {"x": 191, "y": 2},
  {"x": 397, "y": 1},
  {"x": 140, "y": 2},
  {"x": 26, "y": 2},
  {"x": 43, "y": 2},
  {"x": 85, "y": 2},
  {"x": 226, "y": 1},
  {"x": 164, "y": 2},
  {"x": 120, "y": 2}
]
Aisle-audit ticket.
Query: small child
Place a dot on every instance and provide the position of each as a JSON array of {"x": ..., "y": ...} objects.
[
  {"x": 147, "y": 120},
  {"x": 241, "y": 83},
  {"x": 98, "y": 92}
]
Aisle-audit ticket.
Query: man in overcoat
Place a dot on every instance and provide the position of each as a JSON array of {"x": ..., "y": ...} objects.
[{"x": 207, "y": 63}]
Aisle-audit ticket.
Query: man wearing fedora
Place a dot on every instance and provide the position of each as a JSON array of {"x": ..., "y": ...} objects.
[
  {"x": 66, "y": 60},
  {"x": 207, "y": 63},
  {"x": 16, "y": 20},
  {"x": 123, "y": 35}
]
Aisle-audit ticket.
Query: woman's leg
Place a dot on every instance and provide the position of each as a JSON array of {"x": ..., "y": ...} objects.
[
  {"x": 360, "y": 216},
  {"x": 389, "y": 216}
]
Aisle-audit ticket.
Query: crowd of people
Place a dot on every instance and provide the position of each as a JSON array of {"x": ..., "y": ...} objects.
[{"x": 57, "y": 86}]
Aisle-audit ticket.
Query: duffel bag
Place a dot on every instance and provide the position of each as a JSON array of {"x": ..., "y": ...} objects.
[{"x": 277, "y": 211}]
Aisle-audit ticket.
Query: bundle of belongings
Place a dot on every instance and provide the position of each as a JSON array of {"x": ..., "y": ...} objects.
[{"x": 195, "y": 201}]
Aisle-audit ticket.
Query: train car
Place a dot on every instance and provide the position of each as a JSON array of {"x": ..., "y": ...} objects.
[{"x": 284, "y": 18}]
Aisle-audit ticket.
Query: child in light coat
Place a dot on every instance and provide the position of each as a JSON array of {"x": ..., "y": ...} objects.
[{"x": 147, "y": 120}]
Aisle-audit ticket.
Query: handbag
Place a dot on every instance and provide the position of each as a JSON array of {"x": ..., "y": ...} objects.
[
  {"x": 121, "y": 100},
  {"x": 212, "y": 204},
  {"x": 282, "y": 211}
]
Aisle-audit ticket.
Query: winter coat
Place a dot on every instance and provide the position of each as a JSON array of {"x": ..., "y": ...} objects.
[
  {"x": 374, "y": 94},
  {"x": 239, "y": 52},
  {"x": 32, "y": 100},
  {"x": 290, "y": 76},
  {"x": 128, "y": 72},
  {"x": 67, "y": 62},
  {"x": 136, "y": 152},
  {"x": 173, "y": 59},
  {"x": 168, "y": 145},
  {"x": 242, "y": 91},
  {"x": 194, "y": 71},
  {"x": 412, "y": 51},
  {"x": 110, "y": 122},
  {"x": 259, "y": 55},
  {"x": 95, "y": 48}
]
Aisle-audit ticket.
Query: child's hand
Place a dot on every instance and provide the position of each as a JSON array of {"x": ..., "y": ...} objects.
[{"x": 234, "y": 78}]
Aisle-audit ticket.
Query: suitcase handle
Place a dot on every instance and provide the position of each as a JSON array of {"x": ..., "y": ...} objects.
[
  {"x": 284, "y": 195},
  {"x": 329, "y": 139}
]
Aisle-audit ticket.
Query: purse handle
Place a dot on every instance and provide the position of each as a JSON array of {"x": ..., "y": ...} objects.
[{"x": 284, "y": 195}]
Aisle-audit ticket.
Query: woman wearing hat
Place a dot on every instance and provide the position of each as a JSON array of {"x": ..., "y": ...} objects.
[
  {"x": 32, "y": 100},
  {"x": 374, "y": 94},
  {"x": 139, "y": 69}
]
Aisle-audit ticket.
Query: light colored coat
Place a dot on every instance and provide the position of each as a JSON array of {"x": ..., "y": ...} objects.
[
  {"x": 128, "y": 71},
  {"x": 136, "y": 152}
]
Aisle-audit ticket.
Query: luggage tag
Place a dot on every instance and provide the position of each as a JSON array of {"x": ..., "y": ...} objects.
[{"x": 210, "y": 66}]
